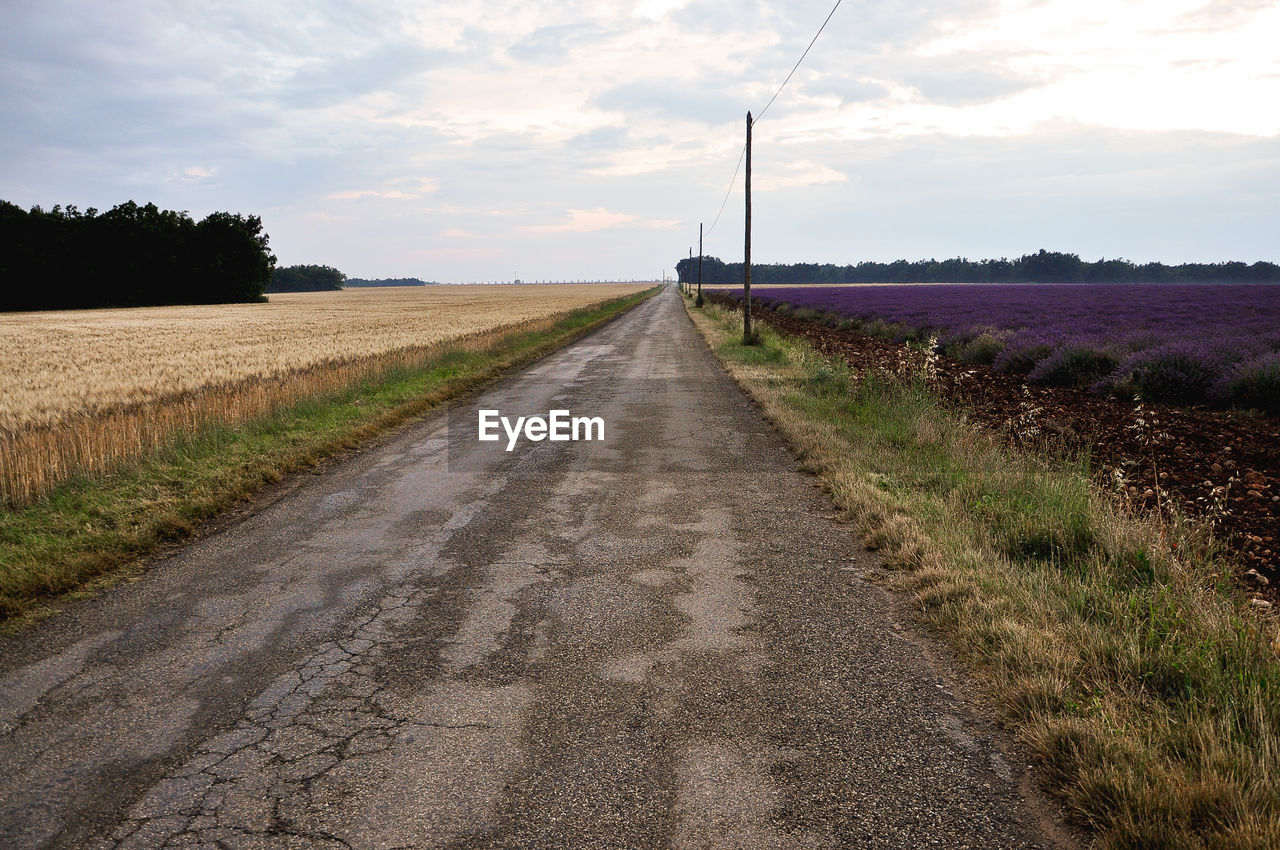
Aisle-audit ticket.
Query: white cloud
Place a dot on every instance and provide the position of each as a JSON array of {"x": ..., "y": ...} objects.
[
  {"x": 1133, "y": 64},
  {"x": 355, "y": 194},
  {"x": 655, "y": 9},
  {"x": 416, "y": 189},
  {"x": 585, "y": 221},
  {"x": 798, "y": 174}
]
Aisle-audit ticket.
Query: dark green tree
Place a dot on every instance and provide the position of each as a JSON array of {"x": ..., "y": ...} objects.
[
  {"x": 129, "y": 256},
  {"x": 306, "y": 279}
]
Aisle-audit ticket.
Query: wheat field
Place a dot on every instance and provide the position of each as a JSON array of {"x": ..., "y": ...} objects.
[{"x": 83, "y": 390}]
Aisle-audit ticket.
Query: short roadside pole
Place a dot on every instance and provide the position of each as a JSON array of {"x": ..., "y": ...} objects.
[
  {"x": 748, "y": 338},
  {"x": 698, "y": 302}
]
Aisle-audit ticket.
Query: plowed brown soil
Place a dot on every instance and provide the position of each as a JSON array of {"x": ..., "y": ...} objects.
[{"x": 1219, "y": 467}]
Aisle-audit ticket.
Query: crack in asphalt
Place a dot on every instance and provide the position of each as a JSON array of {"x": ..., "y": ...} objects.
[{"x": 268, "y": 755}]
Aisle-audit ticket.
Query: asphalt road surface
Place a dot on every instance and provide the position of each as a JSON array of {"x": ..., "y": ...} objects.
[{"x": 656, "y": 639}]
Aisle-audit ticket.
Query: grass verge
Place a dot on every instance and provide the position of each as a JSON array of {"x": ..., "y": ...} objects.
[
  {"x": 98, "y": 527},
  {"x": 1114, "y": 647}
]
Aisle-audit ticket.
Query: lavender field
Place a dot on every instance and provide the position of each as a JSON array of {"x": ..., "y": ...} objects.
[{"x": 1183, "y": 343}]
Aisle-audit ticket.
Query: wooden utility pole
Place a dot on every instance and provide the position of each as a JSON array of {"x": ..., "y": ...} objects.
[
  {"x": 747, "y": 337},
  {"x": 698, "y": 302}
]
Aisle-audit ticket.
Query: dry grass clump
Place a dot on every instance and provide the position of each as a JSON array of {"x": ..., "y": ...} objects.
[
  {"x": 83, "y": 390},
  {"x": 1114, "y": 645}
]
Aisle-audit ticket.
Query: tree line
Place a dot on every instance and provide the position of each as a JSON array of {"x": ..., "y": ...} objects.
[
  {"x": 389, "y": 281},
  {"x": 1041, "y": 267},
  {"x": 306, "y": 279},
  {"x": 323, "y": 278},
  {"x": 129, "y": 256}
]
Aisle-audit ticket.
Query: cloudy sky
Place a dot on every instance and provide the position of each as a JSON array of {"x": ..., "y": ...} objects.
[{"x": 477, "y": 140}]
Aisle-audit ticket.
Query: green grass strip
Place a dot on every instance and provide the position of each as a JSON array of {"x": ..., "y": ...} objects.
[
  {"x": 100, "y": 528},
  {"x": 1115, "y": 647}
]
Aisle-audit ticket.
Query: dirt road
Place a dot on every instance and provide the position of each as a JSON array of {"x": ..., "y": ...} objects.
[{"x": 657, "y": 639}]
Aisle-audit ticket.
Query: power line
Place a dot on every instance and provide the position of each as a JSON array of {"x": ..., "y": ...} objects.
[
  {"x": 733, "y": 180},
  {"x": 761, "y": 113},
  {"x": 728, "y": 191}
]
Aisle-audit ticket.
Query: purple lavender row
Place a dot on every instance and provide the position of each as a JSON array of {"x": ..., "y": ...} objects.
[{"x": 1184, "y": 343}]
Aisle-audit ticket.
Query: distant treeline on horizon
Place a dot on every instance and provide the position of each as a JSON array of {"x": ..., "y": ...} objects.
[
  {"x": 390, "y": 281},
  {"x": 1042, "y": 267},
  {"x": 129, "y": 256},
  {"x": 305, "y": 279},
  {"x": 311, "y": 278}
]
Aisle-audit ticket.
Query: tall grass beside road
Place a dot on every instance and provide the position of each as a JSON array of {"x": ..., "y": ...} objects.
[
  {"x": 95, "y": 525},
  {"x": 36, "y": 459},
  {"x": 1115, "y": 648}
]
